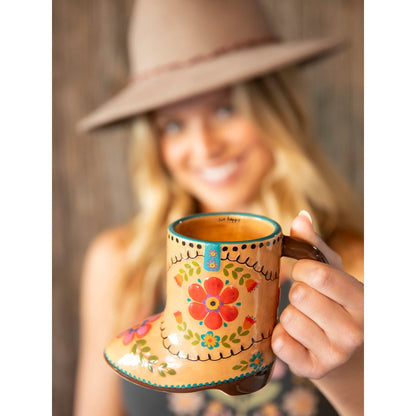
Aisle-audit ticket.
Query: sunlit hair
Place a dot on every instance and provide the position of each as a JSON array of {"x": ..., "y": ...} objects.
[{"x": 300, "y": 179}]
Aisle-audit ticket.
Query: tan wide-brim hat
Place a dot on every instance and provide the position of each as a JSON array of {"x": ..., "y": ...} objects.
[{"x": 182, "y": 48}]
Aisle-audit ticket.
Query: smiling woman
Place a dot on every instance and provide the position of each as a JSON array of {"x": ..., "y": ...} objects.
[{"x": 213, "y": 149}]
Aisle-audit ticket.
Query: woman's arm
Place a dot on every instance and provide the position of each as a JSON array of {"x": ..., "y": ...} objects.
[
  {"x": 97, "y": 385},
  {"x": 321, "y": 332}
]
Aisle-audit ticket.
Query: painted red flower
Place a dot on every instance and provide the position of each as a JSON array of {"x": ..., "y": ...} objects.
[
  {"x": 212, "y": 303},
  {"x": 139, "y": 330}
]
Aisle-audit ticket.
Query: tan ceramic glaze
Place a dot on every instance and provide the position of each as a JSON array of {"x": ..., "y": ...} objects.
[{"x": 223, "y": 295}]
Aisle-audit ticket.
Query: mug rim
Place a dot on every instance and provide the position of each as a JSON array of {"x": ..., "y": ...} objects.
[{"x": 277, "y": 228}]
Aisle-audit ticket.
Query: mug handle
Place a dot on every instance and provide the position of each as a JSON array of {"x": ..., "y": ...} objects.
[{"x": 300, "y": 249}]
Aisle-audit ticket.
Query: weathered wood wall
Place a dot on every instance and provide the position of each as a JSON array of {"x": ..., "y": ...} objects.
[{"x": 90, "y": 183}]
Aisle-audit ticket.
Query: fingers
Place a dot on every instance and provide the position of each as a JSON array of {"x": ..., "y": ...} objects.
[
  {"x": 291, "y": 351},
  {"x": 304, "y": 346},
  {"x": 334, "y": 284},
  {"x": 323, "y": 325},
  {"x": 302, "y": 228},
  {"x": 335, "y": 321}
]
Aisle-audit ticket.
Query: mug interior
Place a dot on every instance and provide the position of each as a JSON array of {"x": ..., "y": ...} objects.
[{"x": 226, "y": 227}]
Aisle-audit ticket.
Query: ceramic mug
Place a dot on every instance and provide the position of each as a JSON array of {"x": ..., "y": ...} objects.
[{"x": 221, "y": 308}]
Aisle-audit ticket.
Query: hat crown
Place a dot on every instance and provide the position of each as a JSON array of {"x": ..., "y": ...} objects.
[{"x": 169, "y": 32}]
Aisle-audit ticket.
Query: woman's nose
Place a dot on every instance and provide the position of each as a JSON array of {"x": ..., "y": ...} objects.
[{"x": 206, "y": 142}]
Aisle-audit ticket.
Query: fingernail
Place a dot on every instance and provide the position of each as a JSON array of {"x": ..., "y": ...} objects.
[
  {"x": 306, "y": 214},
  {"x": 277, "y": 342}
]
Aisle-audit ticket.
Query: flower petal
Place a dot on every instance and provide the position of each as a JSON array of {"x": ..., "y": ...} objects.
[
  {"x": 228, "y": 312},
  {"x": 229, "y": 295},
  {"x": 197, "y": 310},
  {"x": 128, "y": 338},
  {"x": 197, "y": 292},
  {"x": 143, "y": 330},
  {"x": 213, "y": 285},
  {"x": 213, "y": 320}
]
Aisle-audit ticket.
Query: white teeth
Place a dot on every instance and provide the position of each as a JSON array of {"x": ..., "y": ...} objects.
[{"x": 219, "y": 173}]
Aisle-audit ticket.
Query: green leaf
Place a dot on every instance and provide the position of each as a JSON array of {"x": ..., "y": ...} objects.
[
  {"x": 146, "y": 349},
  {"x": 243, "y": 334},
  {"x": 181, "y": 271},
  {"x": 198, "y": 270},
  {"x": 150, "y": 367},
  {"x": 187, "y": 337},
  {"x": 225, "y": 271},
  {"x": 224, "y": 338},
  {"x": 244, "y": 368},
  {"x": 162, "y": 374},
  {"x": 195, "y": 264},
  {"x": 241, "y": 281},
  {"x": 232, "y": 336},
  {"x": 141, "y": 342},
  {"x": 226, "y": 345},
  {"x": 228, "y": 266},
  {"x": 184, "y": 326},
  {"x": 171, "y": 371},
  {"x": 238, "y": 269},
  {"x": 163, "y": 365},
  {"x": 197, "y": 336},
  {"x": 236, "y": 341},
  {"x": 191, "y": 272},
  {"x": 239, "y": 329},
  {"x": 246, "y": 275},
  {"x": 243, "y": 362},
  {"x": 190, "y": 333},
  {"x": 153, "y": 358},
  {"x": 235, "y": 275},
  {"x": 236, "y": 367},
  {"x": 185, "y": 277},
  {"x": 195, "y": 343},
  {"x": 180, "y": 328},
  {"x": 134, "y": 349},
  {"x": 188, "y": 266}
]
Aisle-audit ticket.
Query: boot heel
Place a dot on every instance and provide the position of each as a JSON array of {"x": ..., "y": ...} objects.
[{"x": 249, "y": 384}]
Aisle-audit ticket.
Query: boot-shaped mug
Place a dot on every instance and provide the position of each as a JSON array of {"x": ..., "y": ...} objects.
[{"x": 221, "y": 307}]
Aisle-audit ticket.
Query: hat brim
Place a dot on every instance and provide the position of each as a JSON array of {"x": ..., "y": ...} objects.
[{"x": 170, "y": 86}]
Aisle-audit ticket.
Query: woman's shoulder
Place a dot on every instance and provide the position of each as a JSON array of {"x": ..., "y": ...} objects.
[
  {"x": 350, "y": 246},
  {"x": 105, "y": 259},
  {"x": 109, "y": 244}
]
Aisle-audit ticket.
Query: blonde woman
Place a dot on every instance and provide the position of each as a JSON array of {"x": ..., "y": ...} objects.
[{"x": 236, "y": 144}]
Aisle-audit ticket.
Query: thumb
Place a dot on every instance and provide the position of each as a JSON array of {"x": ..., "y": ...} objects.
[{"x": 302, "y": 228}]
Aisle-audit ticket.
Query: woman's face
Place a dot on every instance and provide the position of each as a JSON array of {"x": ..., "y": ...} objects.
[{"x": 213, "y": 152}]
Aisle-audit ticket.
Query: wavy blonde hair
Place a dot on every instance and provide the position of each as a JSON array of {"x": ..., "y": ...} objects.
[{"x": 301, "y": 178}]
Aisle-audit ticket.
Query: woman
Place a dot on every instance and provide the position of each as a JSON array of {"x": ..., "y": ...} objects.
[{"x": 215, "y": 131}]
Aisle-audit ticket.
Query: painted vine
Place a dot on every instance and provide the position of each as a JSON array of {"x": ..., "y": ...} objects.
[{"x": 149, "y": 360}]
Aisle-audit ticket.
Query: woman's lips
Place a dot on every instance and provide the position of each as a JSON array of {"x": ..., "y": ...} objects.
[{"x": 219, "y": 174}]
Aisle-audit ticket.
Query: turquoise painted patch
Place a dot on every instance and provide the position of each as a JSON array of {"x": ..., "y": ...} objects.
[{"x": 212, "y": 257}]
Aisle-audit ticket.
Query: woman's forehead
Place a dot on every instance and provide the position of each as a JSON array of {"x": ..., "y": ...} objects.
[{"x": 195, "y": 103}]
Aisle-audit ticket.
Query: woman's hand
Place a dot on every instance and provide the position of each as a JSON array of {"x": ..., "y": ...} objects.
[{"x": 323, "y": 327}]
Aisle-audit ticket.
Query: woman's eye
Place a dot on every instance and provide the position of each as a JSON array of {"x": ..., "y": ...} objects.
[
  {"x": 172, "y": 127},
  {"x": 225, "y": 111}
]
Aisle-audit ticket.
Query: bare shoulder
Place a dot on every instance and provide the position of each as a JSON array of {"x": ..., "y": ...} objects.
[
  {"x": 107, "y": 251},
  {"x": 350, "y": 246},
  {"x": 104, "y": 264}
]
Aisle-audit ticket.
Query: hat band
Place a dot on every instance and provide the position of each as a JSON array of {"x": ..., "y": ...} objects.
[{"x": 171, "y": 66}]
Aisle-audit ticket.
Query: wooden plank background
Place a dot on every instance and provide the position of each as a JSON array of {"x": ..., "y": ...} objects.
[{"x": 91, "y": 189}]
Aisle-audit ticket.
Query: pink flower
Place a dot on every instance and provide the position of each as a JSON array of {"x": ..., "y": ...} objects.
[
  {"x": 139, "y": 330},
  {"x": 212, "y": 303}
]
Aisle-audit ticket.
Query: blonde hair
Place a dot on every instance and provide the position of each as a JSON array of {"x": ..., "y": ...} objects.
[{"x": 301, "y": 178}]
